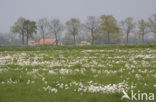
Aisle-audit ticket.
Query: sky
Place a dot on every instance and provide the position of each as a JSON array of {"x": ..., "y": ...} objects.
[{"x": 11, "y": 10}]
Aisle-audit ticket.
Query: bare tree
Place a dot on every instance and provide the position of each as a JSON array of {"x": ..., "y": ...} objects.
[
  {"x": 42, "y": 27},
  {"x": 143, "y": 28},
  {"x": 127, "y": 26},
  {"x": 152, "y": 24},
  {"x": 56, "y": 28},
  {"x": 91, "y": 25},
  {"x": 73, "y": 27}
]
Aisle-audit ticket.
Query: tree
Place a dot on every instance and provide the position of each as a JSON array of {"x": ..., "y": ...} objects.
[
  {"x": 108, "y": 25},
  {"x": 73, "y": 27},
  {"x": 143, "y": 28},
  {"x": 42, "y": 27},
  {"x": 55, "y": 27},
  {"x": 127, "y": 26},
  {"x": 92, "y": 25},
  {"x": 19, "y": 27},
  {"x": 29, "y": 28},
  {"x": 152, "y": 24}
]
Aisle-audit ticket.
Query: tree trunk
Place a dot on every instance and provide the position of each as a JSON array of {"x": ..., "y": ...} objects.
[
  {"x": 74, "y": 40},
  {"x": 27, "y": 40},
  {"x": 22, "y": 38},
  {"x": 92, "y": 34},
  {"x": 127, "y": 37},
  {"x": 43, "y": 39},
  {"x": 108, "y": 38},
  {"x": 56, "y": 39},
  {"x": 143, "y": 38},
  {"x": 27, "y": 37}
]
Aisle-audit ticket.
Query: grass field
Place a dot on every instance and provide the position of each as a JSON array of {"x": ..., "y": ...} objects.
[{"x": 76, "y": 74}]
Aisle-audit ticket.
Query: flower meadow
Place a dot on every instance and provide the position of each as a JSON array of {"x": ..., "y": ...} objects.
[{"x": 76, "y": 75}]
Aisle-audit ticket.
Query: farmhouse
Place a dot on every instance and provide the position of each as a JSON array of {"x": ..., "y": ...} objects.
[
  {"x": 41, "y": 42},
  {"x": 47, "y": 41},
  {"x": 32, "y": 42},
  {"x": 84, "y": 43}
]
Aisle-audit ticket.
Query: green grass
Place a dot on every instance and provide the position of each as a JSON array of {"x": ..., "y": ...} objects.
[
  {"x": 103, "y": 65},
  {"x": 70, "y": 47}
]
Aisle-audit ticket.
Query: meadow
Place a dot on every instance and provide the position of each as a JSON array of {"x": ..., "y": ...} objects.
[{"x": 76, "y": 74}]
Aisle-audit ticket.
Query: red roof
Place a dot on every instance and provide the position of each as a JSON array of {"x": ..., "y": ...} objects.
[
  {"x": 47, "y": 41},
  {"x": 31, "y": 41}
]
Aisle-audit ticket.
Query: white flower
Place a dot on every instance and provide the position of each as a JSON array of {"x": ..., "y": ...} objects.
[
  {"x": 52, "y": 72},
  {"x": 28, "y": 82},
  {"x": 3, "y": 82},
  {"x": 154, "y": 85},
  {"x": 50, "y": 89},
  {"x": 32, "y": 82},
  {"x": 53, "y": 90},
  {"x": 46, "y": 82},
  {"x": 34, "y": 71},
  {"x": 65, "y": 71},
  {"x": 43, "y": 78},
  {"x": 61, "y": 85},
  {"x": 138, "y": 76}
]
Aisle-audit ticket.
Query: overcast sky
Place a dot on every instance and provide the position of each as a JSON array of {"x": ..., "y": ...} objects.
[{"x": 11, "y": 10}]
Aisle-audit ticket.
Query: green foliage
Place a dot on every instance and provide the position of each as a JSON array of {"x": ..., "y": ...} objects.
[
  {"x": 108, "y": 25},
  {"x": 128, "y": 26},
  {"x": 143, "y": 27},
  {"x": 73, "y": 27},
  {"x": 18, "y": 26},
  {"x": 152, "y": 22},
  {"x": 70, "y": 47},
  {"x": 30, "y": 28},
  {"x": 24, "y": 27},
  {"x": 98, "y": 31}
]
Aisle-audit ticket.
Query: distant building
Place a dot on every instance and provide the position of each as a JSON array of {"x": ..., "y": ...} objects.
[
  {"x": 31, "y": 42},
  {"x": 84, "y": 43},
  {"x": 47, "y": 41},
  {"x": 41, "y": 42}
]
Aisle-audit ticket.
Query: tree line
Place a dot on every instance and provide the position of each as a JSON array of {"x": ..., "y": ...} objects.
[{"x": 105, "y": 28}]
